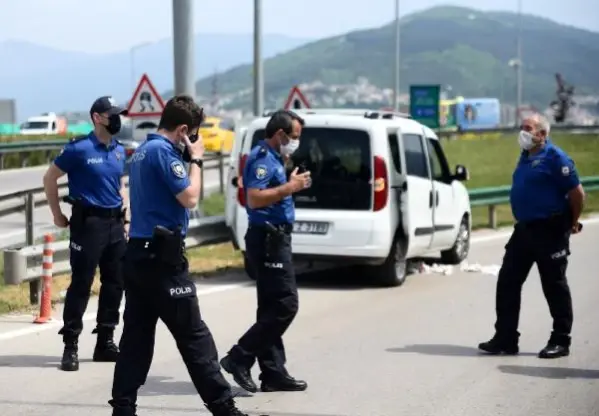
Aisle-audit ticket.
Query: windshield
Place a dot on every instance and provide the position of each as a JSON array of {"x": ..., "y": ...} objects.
[
  {"x": 35, "y": 125},
  {"x": 340, "y": 163}
]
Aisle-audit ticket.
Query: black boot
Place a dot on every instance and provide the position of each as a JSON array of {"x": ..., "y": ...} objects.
[
  {"x": 498, "y": 345},
  {"x": 70, "y": 359},
  {"x": 226, "y": 408},
  {"x": 106, "y": 350}
]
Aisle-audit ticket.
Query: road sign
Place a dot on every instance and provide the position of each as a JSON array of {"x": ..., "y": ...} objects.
[
  {"x": 296, "y": 100},
  {"x": 146, "y": 102},
  {"x": 424, "y": 104}
]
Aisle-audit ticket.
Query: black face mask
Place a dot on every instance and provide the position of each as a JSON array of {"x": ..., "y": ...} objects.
[
  {"x": 185, "y": 152},
  {"x": 114, "y": 124}
]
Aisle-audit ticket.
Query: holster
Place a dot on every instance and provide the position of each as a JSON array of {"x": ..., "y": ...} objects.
[
  {"x": 168, "y": 246},
  {"x": 77, "y": 219},
  {"x": 273, "y": 239}
]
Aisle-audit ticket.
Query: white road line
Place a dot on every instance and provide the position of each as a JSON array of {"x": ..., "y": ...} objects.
[
  {"x": 55, "y": 323},
  {"x": 226, "y": 288}
]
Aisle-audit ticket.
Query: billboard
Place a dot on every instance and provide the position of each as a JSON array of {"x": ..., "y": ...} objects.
[{"x": 478, "y": 113}]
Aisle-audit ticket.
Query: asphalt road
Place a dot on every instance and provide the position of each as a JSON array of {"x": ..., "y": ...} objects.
[
  {"x": 12, "y": 227},
  {"x": 364, "y": 351}
]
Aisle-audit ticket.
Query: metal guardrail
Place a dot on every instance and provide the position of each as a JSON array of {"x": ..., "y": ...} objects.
[
  {"x": 557, "y": 128},
  {"x": 25, "y": 264},
  {"x": 500, "y": 195},
  {"x": 26, "y": 201}
]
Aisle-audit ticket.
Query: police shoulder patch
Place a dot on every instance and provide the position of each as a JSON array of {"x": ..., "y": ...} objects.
[
  {"x": 261, "y": 171},
  {"x": 565, "y": 170},
  {"x": 178, "y": 169}
]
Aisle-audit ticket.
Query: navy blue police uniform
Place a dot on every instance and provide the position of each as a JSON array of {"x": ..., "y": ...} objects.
[
  {"x": 268, "y": 251},
  {"x": 538, "y": 197},
  {"x": 157, "y": 282},
  {"x": 97, "y": 238}
]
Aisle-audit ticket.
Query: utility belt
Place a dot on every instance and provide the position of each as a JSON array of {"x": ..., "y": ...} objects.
[
  {"x": 276, "y": 229},
  {"x": 80, "y": 212},
  {"x": 166, "y": 246},
  {"x": 557, "y": 220}
]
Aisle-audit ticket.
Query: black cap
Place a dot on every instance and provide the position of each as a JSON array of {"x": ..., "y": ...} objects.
[{"x": 107, "y": 104}]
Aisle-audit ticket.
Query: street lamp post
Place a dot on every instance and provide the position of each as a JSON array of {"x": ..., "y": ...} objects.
[
  {"x": 518, "y": 66},
  {"x": 258, "y": 93},
  {"x": 397, "y": 59}
]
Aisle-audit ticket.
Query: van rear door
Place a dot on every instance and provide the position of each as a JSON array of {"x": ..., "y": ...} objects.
[{"x": 336, "y": 211}]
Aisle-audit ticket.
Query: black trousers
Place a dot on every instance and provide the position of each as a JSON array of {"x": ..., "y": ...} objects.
[
  {"x": 546, "y": 243},
  {"x": 94, "y": 241},
  {"x": 156, "y": 290},
  {"x": 269, "y": 256}
]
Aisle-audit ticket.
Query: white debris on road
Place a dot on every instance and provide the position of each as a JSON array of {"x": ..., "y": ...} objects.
[{"x": 447, "y": 270}]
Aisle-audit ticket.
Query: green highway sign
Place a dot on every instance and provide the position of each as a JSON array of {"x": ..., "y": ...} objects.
[{"x": 424, "y": 104}]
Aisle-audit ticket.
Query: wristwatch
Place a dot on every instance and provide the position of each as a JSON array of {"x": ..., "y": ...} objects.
[{"x": 198, "y": 162}]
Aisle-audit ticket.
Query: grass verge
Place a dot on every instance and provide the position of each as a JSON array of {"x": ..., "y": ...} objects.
[
  {"x": 203, "y": 261},
  {"x": 489, "y": 160},
  {"x": 492, "y": 160}
]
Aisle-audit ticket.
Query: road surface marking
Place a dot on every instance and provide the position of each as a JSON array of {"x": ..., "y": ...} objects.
[{"x": 226, "y": 288}]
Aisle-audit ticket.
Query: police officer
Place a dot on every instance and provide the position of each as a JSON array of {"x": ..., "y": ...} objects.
[
  {"x": 94, "y": 165},
  {"x": 271, "y": 215},
  {"x": 546, "y": 199},
  {"x": 157, "y": 282}
]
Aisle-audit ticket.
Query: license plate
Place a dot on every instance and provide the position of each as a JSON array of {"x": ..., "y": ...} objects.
[{"x": 310, "y": 227}]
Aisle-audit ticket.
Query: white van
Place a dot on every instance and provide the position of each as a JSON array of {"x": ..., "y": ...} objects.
[
  {"x": 44, "y": 124},
  {"x": 382, "y": 193}
]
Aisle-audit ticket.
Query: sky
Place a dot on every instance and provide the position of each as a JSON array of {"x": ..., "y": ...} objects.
[{"x": 102, "y": 26}]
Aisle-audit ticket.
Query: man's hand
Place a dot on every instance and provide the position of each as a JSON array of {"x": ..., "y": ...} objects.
[
  {"x": 576, "y": 228},
  {"x": 61, "y": 221},
  {"x": 196, "y": 150},
  {"x": 299, "y": 181},
  {"x": 126, "y": 227}
]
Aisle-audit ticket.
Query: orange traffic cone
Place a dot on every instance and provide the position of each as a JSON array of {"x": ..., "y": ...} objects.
[{"x": 46, "y": 301}]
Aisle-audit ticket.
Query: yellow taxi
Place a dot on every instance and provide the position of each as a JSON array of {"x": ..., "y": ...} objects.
[{"x": 218, "y": 134}]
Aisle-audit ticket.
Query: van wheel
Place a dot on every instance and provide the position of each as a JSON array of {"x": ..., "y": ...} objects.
[
  {"x": 461, "y": 247},
  {"x": 394, "y": 271},
  {"x": 247, "y": 268}
]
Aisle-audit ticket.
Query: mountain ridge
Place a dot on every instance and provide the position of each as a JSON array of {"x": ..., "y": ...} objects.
[{"x": 464, "y": 48}]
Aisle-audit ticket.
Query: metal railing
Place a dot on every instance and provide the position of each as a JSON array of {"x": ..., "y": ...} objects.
[
  {"x": 25, "y": 264},
  {"x": 500, "y": 195},
  {"x": 25, "y": 201}
]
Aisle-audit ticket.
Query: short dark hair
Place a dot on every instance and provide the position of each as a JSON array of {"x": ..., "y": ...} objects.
[
  {"x": 282, "y": 120},
  {"x": 181, "y": 109}
]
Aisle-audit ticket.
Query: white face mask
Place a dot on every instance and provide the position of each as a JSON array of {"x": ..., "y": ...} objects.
[
  {"x": 525, "y": 140},
  {"x": 289, "y": 148}
]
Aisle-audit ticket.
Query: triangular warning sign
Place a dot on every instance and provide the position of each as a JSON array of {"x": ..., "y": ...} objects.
[
  {"x": 146, "y": 102},
  {"x": 296, "y": 100}
]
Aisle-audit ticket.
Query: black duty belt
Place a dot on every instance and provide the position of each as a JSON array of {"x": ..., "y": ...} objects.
[
  {"x": 559, "y": 218},
  {"x": 93, "y": 211},
  {"x": 283, "y": 228}
]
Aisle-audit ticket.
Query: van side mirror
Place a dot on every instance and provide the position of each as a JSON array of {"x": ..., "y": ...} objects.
[{"x": 461, "y": 173}]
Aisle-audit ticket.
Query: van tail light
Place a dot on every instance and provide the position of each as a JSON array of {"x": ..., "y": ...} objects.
[
  {"x": 380, "y": 185},
  {"x": 240, "y": 193},
  {"x": 129, "y": 151}
]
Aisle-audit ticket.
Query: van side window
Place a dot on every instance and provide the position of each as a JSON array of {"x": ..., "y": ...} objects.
[
  {"x": 394, "y": 146},
  {"x": 438, "y": 163},
  {"x": 415, "y": 156}
]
